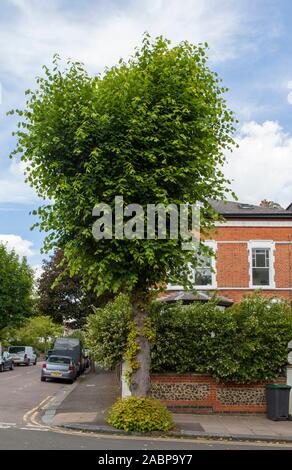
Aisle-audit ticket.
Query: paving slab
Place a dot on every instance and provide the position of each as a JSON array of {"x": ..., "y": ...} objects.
[{"x": 86, "y": 408}]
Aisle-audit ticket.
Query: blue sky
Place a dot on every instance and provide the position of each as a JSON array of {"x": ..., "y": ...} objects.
[{"x": 250, "y": 47}]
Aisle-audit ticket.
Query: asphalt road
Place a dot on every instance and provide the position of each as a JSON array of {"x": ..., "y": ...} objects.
[
  {"x": 33, "y": 439},
  {"x": 21, "y": 391}
]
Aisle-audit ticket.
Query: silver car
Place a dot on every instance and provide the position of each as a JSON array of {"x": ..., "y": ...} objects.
[{"x": 59, "y": 367}]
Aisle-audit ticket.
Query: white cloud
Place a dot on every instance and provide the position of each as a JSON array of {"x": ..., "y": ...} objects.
[
  {"x": 13, "y": 189},
  {"x": 15, "y": 242},
  {"x": 38, "y": 270},
  {"x": 99, "y": 35},
  {"x": 261, "y": 168}
]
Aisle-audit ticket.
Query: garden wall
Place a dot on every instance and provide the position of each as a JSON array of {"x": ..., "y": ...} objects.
[{"x": 198, "y": 393}]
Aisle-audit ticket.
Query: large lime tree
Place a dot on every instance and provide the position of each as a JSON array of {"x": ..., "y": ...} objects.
[
  {"x": 153, "y": 130},
  {"x": 16, "y": 289}
]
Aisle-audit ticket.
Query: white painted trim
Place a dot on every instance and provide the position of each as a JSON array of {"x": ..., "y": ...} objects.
[
  {"x": 254, "y": 223},
  {"x": 269, "y": 244}
]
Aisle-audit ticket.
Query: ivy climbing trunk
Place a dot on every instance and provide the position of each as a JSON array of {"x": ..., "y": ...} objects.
[{"x": 140, "y": 378}]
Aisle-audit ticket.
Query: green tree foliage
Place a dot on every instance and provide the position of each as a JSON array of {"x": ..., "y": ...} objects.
[
  {"x": 66, "y": 299},
  {"x": 16, "y": 288},
  {"x": 107, "y": 330},
  {"x": 244, "y": 343},
  {"x": 38, "y": 332},
  {"x": 153, "y": 130}
]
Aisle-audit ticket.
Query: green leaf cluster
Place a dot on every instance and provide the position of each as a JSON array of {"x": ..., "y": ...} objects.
[
  {"x": 154, "y": 129},
  {"x": 16, "y": 289},
  {"x": 38, "y": 332},
  {"x": 140, "y": 415},
  {"x": 242, "y": 344},
  {"x": 107, "y": 330}
]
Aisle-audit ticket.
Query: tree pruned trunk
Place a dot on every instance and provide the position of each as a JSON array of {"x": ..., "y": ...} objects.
[{"x": 140, "y": 379}]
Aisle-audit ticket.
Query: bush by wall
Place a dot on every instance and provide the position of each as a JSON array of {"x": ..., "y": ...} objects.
[
  {"x": 107, "y": 330},
  {"x": 243, "y": 344}
]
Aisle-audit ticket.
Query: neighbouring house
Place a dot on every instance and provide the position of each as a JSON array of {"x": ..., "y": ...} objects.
[{"x": 253, "y": 250}]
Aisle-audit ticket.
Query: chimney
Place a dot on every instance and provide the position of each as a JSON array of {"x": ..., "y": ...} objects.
[{"x": 271, "y": 204}]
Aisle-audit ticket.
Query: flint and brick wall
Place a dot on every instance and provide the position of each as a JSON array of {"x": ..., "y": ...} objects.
[{"x": 199, "y": 393}]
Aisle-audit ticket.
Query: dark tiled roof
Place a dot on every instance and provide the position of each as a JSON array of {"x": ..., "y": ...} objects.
[
  {"x": 187, "y": 297},
  {"x": 232, "y": 209}
]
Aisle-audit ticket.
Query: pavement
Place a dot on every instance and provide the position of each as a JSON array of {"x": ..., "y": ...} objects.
[{"x": 84, "y": 408}]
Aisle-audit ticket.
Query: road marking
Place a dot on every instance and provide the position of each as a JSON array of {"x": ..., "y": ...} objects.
[
  {"x": 7, "y": 425},
  {"x": 34, "y": 410},
  {"x": 36, "y": 428}
]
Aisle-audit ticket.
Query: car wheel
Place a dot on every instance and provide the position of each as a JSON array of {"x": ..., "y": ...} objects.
[
  {"x": 1, "y": 368},
  {"x": 70, "y": 381},
  {"x": 11, "y": 366},
  {"x": 28, "y": 363},
  {"x": 43, "y": 379},
  {"x": 35, "y": 362}
]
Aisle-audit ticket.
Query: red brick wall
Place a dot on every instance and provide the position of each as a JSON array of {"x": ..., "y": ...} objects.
[
  {"x": 245, "y": 399},
  {"x": 232, "y": 264}
]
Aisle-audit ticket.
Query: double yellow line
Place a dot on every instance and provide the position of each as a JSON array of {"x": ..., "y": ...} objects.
[{"x": 30, "y": 416}]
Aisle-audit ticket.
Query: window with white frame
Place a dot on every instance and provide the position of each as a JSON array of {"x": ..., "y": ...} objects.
[
  {"x": 204, "y": 275},
  {"x": 203, "y": 272},
  {"x": 261, "y": 264}
]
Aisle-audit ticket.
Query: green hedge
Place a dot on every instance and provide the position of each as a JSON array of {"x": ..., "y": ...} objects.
[{"x": 242, "y": 344}]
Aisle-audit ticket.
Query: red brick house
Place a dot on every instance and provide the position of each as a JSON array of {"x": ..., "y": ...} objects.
[{"x": 253, "y": 250}]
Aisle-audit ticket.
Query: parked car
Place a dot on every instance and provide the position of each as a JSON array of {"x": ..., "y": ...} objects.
[
  {"x": 59, "y": 367},
  {"x": 68, "y": 346},
  {"x": 6, "y": 361},
  {"x": 23, "y": 355}
]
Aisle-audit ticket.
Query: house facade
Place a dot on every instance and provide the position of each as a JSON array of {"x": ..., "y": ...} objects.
[{"x": 253, "y": 250}]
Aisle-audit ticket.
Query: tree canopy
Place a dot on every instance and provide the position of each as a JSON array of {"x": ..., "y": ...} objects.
[
  {"x": 16, "y": 288},
  {"x": 66, "y": 298},
  {"x": 39, "y": 332},
  {"x": 154, "y": 130}
]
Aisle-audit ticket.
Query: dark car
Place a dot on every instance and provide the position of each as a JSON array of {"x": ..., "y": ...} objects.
[
  {"x": 59, "y": 367},
  {"x": 69, "y": 346},
  {"x": 6, "y": 361}
]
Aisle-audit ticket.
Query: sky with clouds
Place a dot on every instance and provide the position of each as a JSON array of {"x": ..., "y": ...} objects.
[{"x": 250, "y": 47}]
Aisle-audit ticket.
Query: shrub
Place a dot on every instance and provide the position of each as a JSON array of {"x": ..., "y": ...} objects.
[
  {"x": 106, "y": 331},
  {"x": 242, "y": 344},
  {"x": 140, "y": 414}
]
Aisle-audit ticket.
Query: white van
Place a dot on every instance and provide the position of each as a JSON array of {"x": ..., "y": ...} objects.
[{"x": 23, "y": 355}]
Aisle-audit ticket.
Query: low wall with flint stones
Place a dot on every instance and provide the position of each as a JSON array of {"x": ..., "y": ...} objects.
[{"x": 199, "y": 393}]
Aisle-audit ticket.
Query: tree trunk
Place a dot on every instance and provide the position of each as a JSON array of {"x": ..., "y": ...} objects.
[{"x": 140, "y": 379}]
